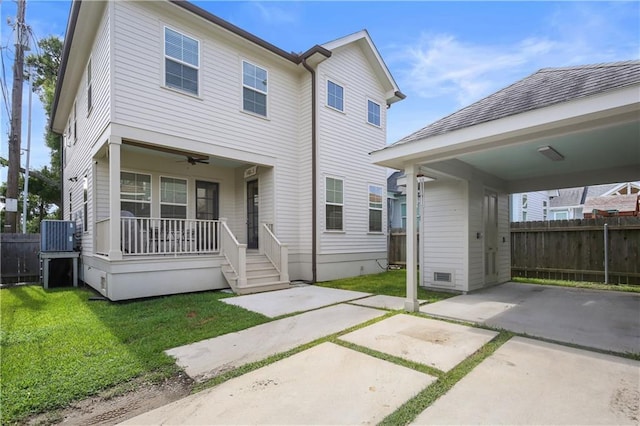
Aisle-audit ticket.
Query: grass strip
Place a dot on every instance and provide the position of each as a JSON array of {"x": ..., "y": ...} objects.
[
  {"x": 390, "y": 283},
  {"x": 412, "y": 408},
  {"x": 579, "y": 284}
]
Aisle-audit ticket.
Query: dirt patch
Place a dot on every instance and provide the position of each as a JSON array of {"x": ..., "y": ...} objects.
[{"x": 116, "y": 405}]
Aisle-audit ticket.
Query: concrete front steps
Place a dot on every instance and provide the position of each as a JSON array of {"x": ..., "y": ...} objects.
[{"x": 261, "y": 276}]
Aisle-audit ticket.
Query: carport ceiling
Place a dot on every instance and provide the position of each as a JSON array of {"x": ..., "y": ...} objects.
[{"x": 590, "y": 151}]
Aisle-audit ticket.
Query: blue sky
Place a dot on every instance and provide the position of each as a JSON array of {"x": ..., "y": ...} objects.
[{"x": 443, "y": 55}]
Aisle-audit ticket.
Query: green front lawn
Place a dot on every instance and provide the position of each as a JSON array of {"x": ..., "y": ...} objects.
[
  {"x": 390, "y": 283},
  {"x": 57, "y": 346}
]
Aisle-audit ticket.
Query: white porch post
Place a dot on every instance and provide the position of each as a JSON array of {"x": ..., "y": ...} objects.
[
  {"x": 411, "y": 302},
  {"x": 115, "y": 251}
]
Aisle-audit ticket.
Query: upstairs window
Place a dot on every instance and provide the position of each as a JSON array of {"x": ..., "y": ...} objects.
[
  {"x": 75, "y": 124},
  {"x": 373, "y": 113},
  {"x": 181, "y": 61},
  {"x": 335, "y": 96},
  {"x": 89, "y": 88},
  {"x": 334, "y": 204},
  {"x": 254, "y": 89},
  {"x": 375, "y": 208}
]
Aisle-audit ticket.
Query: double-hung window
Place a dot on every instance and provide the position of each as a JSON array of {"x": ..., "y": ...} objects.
[
  {"x": 335, "y": 96},
  {"x": 135, "y": 193},
  {"x": 173, "y": 198},
  {"x": 375, "y": 208},
  {"x": 75, "y": 123},
  {"x": 181, "y": 61},
  {"x": 85, "y": 204},
  {"x": 334, "y": 193},
  {"x": 373, "y": 113},
  {"x": 254, "y": 89}
]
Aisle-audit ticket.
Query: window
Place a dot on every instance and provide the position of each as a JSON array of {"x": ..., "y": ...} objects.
[
  {"x": 254, "y": 89},
  {"x": 561, "y": 215},
  {"x": 525, "y": 205},
  {"x": 181, "y": 61},
  {"x": 335, "y": 96},
  {"x": 403, "y": 213},
  {"x": 135, "y": 193},
  {"x": 70, "y": 204},
  {"x": 375, "y": 208},
  {"x": 334, "y": 204},
  {"x": 173, "y": 198},
  {"x": 69, "y": 133},
  {"x": 544, "y": 210},
  {"x": 373, "y": 113},
  {"x": 89, "y": 84},
  {"x": 85, "y": 204},
  {"x": 75, "y": 124}
]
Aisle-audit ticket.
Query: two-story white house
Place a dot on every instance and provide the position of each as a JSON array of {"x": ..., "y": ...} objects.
[{"x": 198, "y": 156}]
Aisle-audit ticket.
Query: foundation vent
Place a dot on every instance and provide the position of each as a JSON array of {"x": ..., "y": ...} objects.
[{"x": 442, "y": 277}]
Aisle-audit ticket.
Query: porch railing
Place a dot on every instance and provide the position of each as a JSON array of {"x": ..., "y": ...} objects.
[
  {"x": 153, "y": 236},
  {"x": 103, "y": 243},
  {"x": 275, "y": 251},
  {"x": 234, "y": 252}
]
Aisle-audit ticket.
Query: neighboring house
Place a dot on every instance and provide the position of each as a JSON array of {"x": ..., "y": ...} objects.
[
  {"x": 611, "y": 205},
  {"x": 570, "y": 126},
  {"x": 529, "y": 206},
  {"x": 174, "y": 119},
  {"x": 396, "y": 202},
  {"x": 569, "y": 203}
]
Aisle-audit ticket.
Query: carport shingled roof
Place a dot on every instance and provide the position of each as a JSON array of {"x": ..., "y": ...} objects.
[{"x": 546, "y": 87}]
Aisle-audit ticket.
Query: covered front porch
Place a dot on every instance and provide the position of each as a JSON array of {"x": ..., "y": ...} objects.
[{"x": 158, "y": 207}]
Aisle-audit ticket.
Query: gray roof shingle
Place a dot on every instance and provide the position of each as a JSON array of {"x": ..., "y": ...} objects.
[{"x": 543, "y": 88}]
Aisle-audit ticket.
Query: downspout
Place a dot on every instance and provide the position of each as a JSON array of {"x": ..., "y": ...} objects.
[{"x": 314, "y": 201}]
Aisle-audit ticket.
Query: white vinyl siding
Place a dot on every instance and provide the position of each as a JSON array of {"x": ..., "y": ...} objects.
[
  {"x": 344, "y": 143},
  {"x": 335, "y": 96},
  {"x": 173, "y": 198},
  {"x": 181, "y": 61},
  {"x": 334, "y": 204},
  {"x": 373, "y": 113},
  {"x": 375, "y": 208},
  {"x": 444, "y": 231},
  {"x": 254, "y": 89}
]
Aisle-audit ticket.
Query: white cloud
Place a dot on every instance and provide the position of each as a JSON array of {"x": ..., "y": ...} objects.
[
  {"x": 443, "y": 65},
  {"x": 272, "y": 14}
]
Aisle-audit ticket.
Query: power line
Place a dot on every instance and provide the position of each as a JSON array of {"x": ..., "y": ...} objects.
[{"x": 5, "y": 89}]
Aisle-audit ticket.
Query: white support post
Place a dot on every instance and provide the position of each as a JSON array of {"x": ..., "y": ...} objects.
[
  {"x": 242, "y": 265},
  {"x": 115, "y": 251},
  {"x": 284, "y": 263},
  {"x": 411, "y": 302}
]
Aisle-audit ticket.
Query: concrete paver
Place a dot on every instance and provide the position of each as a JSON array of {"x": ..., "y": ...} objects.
[
  {"x": 531, "y": 382},
  {"x": 592, "y": 318},
  {"x": 326, "y": 384},
  {"x": 435, "y": 343},
  {"x": 208, "y": 358},
  {"x": 297, "y": 299},
  {"x": 393, "y": 303}
]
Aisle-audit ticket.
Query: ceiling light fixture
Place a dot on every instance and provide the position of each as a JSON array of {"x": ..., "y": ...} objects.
[{"x": 550, "y": 153}]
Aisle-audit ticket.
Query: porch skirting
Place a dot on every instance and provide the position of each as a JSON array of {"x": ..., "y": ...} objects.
[
  {"x": 152, "y": 276},
  {"x": 343, "y": 265}
]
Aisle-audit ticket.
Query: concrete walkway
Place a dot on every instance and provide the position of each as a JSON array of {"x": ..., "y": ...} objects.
[
  {"x": 524, "y": 382},
  {"x": 592, "y": 318},
  {"x": 209, "y": 358},
  {"x": 531, "y": 382}
]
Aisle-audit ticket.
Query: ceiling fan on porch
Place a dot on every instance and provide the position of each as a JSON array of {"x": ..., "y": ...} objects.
[
  {"x": 197, "y": 160},
  {"x": 190, "y": 158}
]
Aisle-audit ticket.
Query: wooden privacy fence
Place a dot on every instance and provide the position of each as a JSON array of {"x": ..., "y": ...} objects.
[
  {"x": 397, "y": 249},
  {"x": 575, "y": 250},
  {"x": 20, "y": 258}
]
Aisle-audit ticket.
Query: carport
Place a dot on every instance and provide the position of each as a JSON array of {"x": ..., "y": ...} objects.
[{"x": 557, "y": 128}]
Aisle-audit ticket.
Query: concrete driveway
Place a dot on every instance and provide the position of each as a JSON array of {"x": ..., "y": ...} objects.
[{"x": 591, "y": 318}]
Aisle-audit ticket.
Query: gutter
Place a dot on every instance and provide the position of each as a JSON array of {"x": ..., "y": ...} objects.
[
  {"x": 68, "y": 40},
  {"x": 314, "y": 201}
]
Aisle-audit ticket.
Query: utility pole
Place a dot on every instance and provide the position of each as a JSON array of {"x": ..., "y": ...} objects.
[{"x": 11, "y": 217}]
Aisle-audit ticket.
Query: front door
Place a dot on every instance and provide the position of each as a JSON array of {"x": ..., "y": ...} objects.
[
  {"x": 252, "y": 214},
  {"x": 207, "y": 208},
  {"x": 490, "y": 213}
]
